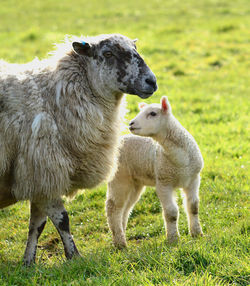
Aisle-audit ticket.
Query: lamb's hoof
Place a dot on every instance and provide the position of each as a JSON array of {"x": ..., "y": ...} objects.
[
  {"x": 120, "y": 246},
  {"x": 197, "y": 234},
  {"x": 173, "y": 239},
  {"x": 196, "y": 231}
]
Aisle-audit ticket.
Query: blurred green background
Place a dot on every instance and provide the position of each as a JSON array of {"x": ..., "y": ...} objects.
[{"x": 200, "y": 53}]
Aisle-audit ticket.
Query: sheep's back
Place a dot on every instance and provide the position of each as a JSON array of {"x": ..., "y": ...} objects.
[{"x": 58, "y": 140}]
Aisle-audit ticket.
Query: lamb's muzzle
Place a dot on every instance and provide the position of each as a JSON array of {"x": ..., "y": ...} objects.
[{"x": 132, "y": 126}]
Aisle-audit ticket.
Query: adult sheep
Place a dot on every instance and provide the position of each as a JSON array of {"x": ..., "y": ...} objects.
[{"x": 59, "y": 123}]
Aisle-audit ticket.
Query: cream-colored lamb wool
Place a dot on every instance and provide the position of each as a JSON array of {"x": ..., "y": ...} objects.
[
  {"x": 168, "y": 160},
  {"x": 59, "y": 125}
]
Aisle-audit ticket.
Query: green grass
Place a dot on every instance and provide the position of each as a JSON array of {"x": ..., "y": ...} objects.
[{"x": 199, "y": 51}]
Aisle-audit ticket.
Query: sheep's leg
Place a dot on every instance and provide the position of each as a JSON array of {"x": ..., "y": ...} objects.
[
  {"x": 6, "y": 197},
  {"x": 170, "y": 211},
  {"x": 59, "y": 216},
  {"x": 192, "y": 207},
  {"x": 6, "y": 200},
  {"x": 37, "y": 222}
]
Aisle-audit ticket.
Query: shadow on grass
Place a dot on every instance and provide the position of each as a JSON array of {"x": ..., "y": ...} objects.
[
  {"x": 58, "y": 272},
  {"x": 188, "y": 262}
]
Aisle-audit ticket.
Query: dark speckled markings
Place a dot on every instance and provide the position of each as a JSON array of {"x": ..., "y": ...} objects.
[
  {"x": 64, "y": 223},
  {"x": 123, "y": 55},
  {"x": 124, "y": 59},
  {"x": 171, "y": 218},
  {"x": 37, "y": 223},
  {"x": 194, "y": 208},
  {"x": 117, "y": 61},
  {"x": 140, "y": 61},
  {"x": 40, "y": 229},
  {"x": 60, "y": 219},
  {"x": 132, "y": 74}
]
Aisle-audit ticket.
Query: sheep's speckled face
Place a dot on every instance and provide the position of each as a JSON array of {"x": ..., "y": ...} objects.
[{"x": 117, "y": 66}]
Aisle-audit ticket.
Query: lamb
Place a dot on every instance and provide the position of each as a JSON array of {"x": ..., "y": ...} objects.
[
  {"x": 59, "y": 125},
  {"x": 168, "y": 158}
]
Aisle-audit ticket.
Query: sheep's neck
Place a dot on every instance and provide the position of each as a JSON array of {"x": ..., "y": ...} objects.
[
  {"x": 101, "y": 105},
  {"x": 100, "y": 90}
]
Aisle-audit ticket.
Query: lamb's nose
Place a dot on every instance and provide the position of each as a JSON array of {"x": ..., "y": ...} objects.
[
  {"x": 131, "y": 123},
  {"x": 152, "y": 82}
]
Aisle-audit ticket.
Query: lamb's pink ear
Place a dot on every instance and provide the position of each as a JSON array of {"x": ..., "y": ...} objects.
[
  {"x": 141, "y": 105},
  {"x": 164, "y": 103}
]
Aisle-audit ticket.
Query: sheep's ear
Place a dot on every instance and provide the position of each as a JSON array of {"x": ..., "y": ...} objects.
[
  {"x": 83, "y": 49},
  {"x": 134, "y": 42},
  {"x": 141, "y": 105},
  {"x": 164, "y": 104}
]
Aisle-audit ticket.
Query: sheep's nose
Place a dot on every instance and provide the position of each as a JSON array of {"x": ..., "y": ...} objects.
[
  {"x": 152, "y": 82},
  {"x": 131, "y": 123}
]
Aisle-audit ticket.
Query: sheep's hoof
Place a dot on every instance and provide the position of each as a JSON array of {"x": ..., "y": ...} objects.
[
  {"x": 76, "y": 255},
  {"x": 73, "y": 255},
  {"x": 28, "y": 263}
]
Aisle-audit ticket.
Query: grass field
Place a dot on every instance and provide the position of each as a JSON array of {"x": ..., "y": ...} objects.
[{"x": 200, "y": 53}]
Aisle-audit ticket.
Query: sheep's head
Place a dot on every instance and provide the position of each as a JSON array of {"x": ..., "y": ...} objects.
[
  {"x": 151, "y": 119},
  {"x": 116, "y": 66}
]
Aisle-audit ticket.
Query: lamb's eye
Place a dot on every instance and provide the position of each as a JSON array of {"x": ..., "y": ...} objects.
[
  {"x": 152, "y": 113},
  {"x": 107, "y": 54}
]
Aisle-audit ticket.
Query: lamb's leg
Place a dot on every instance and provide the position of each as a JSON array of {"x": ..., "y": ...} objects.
[
  {"x": 116, "y": 199},
  {"x": 170, "y": 211},
  {"x": 59, "y": 216},
  {"x": 133, "y": 198},
  {"x": 192, "y": 207},
  {"x": 38, "y": 220}
]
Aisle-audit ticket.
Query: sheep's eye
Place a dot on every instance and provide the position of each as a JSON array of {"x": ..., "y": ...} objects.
[
  {"x": 152, "y": 113},
  {"x": 107, "y": 54}
]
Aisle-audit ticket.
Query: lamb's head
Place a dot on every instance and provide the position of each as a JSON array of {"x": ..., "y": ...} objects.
[
  {"x": 152, "y": 118},
  {"x": 116, "y": 66}
]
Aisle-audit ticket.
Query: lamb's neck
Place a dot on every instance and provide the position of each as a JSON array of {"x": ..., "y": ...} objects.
[{"x": 174, "y": 140}]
